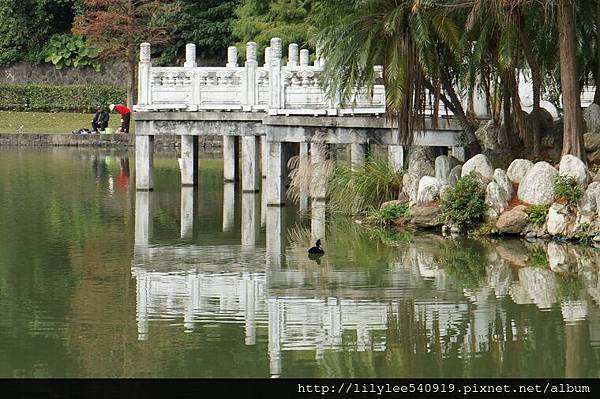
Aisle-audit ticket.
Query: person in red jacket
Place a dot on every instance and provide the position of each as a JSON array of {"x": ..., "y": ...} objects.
[{"x": 125, "y": 116}]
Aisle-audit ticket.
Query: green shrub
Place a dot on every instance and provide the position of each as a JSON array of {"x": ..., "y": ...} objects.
[
  {"x": 46, "y": 98},
  {"x": 464, "y": 204},
  {"x": 68, "y": 50},
  {"x": 567, "y": 188},
  {"x": 385, "y": 216},
  {"x": 536, "y": 214}
]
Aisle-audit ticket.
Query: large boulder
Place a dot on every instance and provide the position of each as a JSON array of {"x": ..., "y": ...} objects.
[
  {"x": 479, "y": 164},
  {"x": 421, "y": 161},
  {"x": 537, "y": 186},
  {"x": 518, "y": 169},
  {"x": 454, "y": 175},
  {"x": 590, "y": 201},
  {"x": 559, "y": 220},
  {"x": 591, "y": 142},
  {"x": 592, "y": 118},
  {"x": 557, "y": 257},
  {"x": 487, "y": 135},
  {"x": 572, "y": 166},
  {"x": 426, "y": 216},
  {"x": 442, "y": 168},
  {"x": 501, "y": 178},
  {"x": 429, "y": 190},
  {"x": 495, "y": 199},
  {"x": 513, "y": 221},
  {"x": 592, "y": 146}
]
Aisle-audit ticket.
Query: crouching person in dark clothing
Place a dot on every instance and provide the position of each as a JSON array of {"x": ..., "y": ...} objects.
[
  {"x": 100, "y": 121},
  {"x": 125, "y": 116}
]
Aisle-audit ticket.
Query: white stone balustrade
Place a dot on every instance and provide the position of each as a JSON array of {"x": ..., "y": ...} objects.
[{"x": 291, "y": 88}]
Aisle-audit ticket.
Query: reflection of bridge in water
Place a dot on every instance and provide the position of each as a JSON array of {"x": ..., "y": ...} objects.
[{"x": 274, "y": 287}]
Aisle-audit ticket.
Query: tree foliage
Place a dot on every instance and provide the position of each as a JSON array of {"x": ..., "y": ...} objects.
[
  {"x": 261, "y": 20},
  {"x": 118, "y": 26},
  {"x": 27, "y": 25}
]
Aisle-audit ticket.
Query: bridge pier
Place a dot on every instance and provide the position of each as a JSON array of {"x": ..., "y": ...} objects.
[
  {"x": 230, "y": 158},
  {"x": 144, "y": 162},
  {"x": 188, "y": 210},
  {"x": 250, "y": 164},
  {"x": 143, "y": 217},
  {"x": 396, "y": 156},
  {"x": 303, "y": 164},
  {"x": 228, "y": 207},
  {"x": 250, "y": 221},
  {"x": 317, "y": 220},
  {"x": 189, "y": 160},
  {"x": 459, "y": 153},
  {"x": 318, "y": 155},
  {"x": 264, "y": 155},
  {"x": 357, "y": 155},
  {"x": 275, "y": 236},
  {"x": 275, "y": 175}
]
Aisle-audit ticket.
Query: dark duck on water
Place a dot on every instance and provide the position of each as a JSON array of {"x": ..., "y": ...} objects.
[{"x": 316, "y": 250}]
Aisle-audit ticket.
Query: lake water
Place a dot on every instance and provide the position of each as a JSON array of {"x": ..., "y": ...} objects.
[{"x": 98, "y": 281}]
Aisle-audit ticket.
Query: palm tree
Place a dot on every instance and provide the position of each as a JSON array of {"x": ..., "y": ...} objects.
[{"x": 416, "y": 41}]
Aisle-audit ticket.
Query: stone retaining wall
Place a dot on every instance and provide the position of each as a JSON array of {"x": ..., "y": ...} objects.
[
  {"x": 113, "y": 74},
  {"x": 95, "y": 140}
]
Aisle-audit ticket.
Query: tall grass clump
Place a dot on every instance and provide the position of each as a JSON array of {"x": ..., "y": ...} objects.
[
  {"x": 355, "y": 190},
  {"x": 349, "y": 191}
]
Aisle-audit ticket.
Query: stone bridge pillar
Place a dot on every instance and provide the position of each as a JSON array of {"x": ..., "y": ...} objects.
[
  {"x": 188, "y": 211},
  {"x": 189, "y": 160},
  {"x": 250, "y": 164},
  {"x": 250, "y": 218},
  {"x": 304, "y": 162},
  {"x": 357, "y": 155},
  {"x": 144, "y": 225},
  {"x": 230, "y": 158},
  {"x": 275, "y": 174},
  {"x": 396, "y": 156},
  {"x": 144, "y": 162},
  {"x": 228, "y": 207}
]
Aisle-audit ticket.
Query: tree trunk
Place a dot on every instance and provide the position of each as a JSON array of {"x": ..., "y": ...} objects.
[
  {"x": 505, "y": 134},
  {"x": 455, "y": 106},
  {"x": 537, "y": 88},
  {"x": 573, "y": 119},
  {"x": 131, "y": 76}
]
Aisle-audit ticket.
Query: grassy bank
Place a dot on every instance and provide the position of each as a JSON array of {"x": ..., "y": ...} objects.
[{"x": 47, "y": 122}]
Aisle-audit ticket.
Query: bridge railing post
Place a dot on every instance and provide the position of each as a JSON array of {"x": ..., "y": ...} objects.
[
  {"x": 144, "y": 72},
  {"x": 249, "y": 96},
  {"x": 292, "y": 55},
  {"x": 275, "y": 89},
  {"x": 190, "y": 62}
]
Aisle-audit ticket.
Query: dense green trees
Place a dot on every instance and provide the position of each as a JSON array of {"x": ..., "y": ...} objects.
[
  {"x": 260, "y": 20},
  {"x": 26, "y": 26},
  {"x": 206, "y": 23}
]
